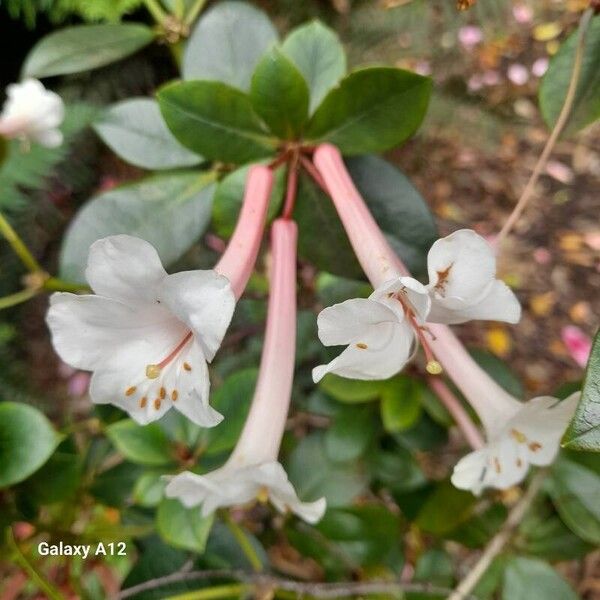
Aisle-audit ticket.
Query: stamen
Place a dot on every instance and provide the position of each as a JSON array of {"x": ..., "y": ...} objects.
[
  {"x": 130, "y": 391},
  {"x": 535, "y": 446},
  {"x": 497, "y": 465},
  {"x": 263, "y": 495},
  {"x": 518, "y": 435},
  {"x": 362, "y": 346},
  {"x": 162, "y": 393},
  {"x": 143, "y": 402},
  {"x": 174, "y": 395},
  {"x": 157, "y": 403},
  {"x": 153, "y": 371},
  {"x": 433, "y": 367},
  {"x": 187, "y": 366},
  {"x": 519, "y": 463}
]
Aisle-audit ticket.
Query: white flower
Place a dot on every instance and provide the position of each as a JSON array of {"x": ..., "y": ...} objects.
[
  {"x": 146, "y": 335},
  {"x": 252, "y": 471},
  {"x": 33, "y": 113},
  {"x": 381, "y": 331},
  {"x": 463, "y": 284},
  {"x": 527, "y": 434}
]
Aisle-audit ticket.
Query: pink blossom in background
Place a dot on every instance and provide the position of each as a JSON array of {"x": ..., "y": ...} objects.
[
  {"x": 540, "y": 66},
  {"x": 522, "y": 13},
  {"x": 542, "y": 256},
  {"x": 578, "y": 344},
  {"x": 469, "y": 36},
  {"x": 423, "y": 67},
  {"x": 491, "y": 78},
  {"x": 518, "y": 74},
  {"x": 475, "y": 82},
  {"x": 560, "y": 171}
]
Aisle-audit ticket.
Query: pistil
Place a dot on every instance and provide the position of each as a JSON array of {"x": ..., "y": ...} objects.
[{"x": 154, "y": 371}]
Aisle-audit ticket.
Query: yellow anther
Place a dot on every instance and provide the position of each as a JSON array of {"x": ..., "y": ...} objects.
[
  {"x": 518, "y": 435},
  {"x": 187, "y": 366},
  {"x": 535, "y": 446},
  {"x": 263, "y": 495},
  {"x": 157, "y": 403},
  {"x": 174, "y": 395},
  {"x": 143, "y": 402},
  {"x": 433, "y": 367},
  {"x": 162, "y": 393},
  {"x": 152, "y": 371},
  {"x": 130, "y": 391},
  {"x": 362, "y": 346}
]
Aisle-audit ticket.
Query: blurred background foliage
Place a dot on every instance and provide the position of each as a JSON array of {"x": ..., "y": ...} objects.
[{"x": 384, "y": 450}]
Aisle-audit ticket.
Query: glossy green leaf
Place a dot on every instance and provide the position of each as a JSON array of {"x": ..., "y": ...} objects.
[
  {"x": 445, "y": 509},
  {"x": 553, "y": 90},
  {"x": 215, "y": 120},
  {"x": 230, "y": 194},
  {"x": 84, "y": 47},
  {"x": 149, "y": 488},
  {"x": 372, "y": 110},
  {"x": 397, "y": 470},
  {"x": 280, "y": 95},
  {"x": 135, "y": 130},
  {"x": 182, "y": 527},
  {"x": 584, "y": 430},
  {"x": 319, "y": 55},
  {"x": 114, "y": 487},
  {"x": 533, "y": 579},
  {"x": 183, "y": 200},
  {"x": 350, "y": 434},
  {"x": 142, "y": 444},
  {"x": 315, "y": 475},
  {"x": 398, "y": 208},
  {"x": 227, "y": 44},
  {"x": 27, "y": 440},
  {"x": 400, "y": 403},
  {"x": 575, "y": 491},
  {"x": 232, "y": 400},
  {"x": 351, "y": 391}
]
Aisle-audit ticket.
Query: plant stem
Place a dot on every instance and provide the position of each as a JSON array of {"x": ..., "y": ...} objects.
[
  {"x": 215, "y": 592},
  {"x": 45, "y": 586},
  {"x": 561, "y": 121},
  {"x": 458, "y": 412},
  {"x": 154, "y": 8},
  {"x": 194, "y": 12},
  {"x": 292, "y": 186},
  {"x": 17, "y": 244},
  {"x": 314, "y": 173},
  {"x": 499, "y": 541},
  {"x": 18, "y": 297},
  {"x": 54, "y": 284},
  {"x": 243, "y": 541}
]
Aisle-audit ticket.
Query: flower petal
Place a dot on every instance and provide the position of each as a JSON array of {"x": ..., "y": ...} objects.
[
  {"x": 379, "y": 353},
  {"x": 415, "y": 294},
  {"x": 350, "y": 320},
  {"x": 87, "y": 329},
  {"x": 461, "y": 265},
  {"x": 125, "y": 268},
  {"x": 204, "y": 301},
  {"x": 469, "y": 472},
  {"x": 497, "y": 304}
]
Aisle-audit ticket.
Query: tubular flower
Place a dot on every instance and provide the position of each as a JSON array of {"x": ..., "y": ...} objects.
[
  {"x": 381, "y": 331},
  {"x": 252, "y": 471},
  {"x": 32, "y": 113},
  {"x": 519, "y": 434},
  {"x": 146, "y": 335}
]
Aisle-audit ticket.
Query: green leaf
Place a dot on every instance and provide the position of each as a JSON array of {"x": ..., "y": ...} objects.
[
  {"x": 227, "y": 44},
  {"x": 141, "y": 444},
  {"x": 398, "y": 208},
  {"x": 351, "y": 391},
  {"x": 532, "y": 579},
  {"x": 319, "y": 55},
  {"x": 339, "y": 483},
  {"x": 445, "y": 509},
  {"x": 215, "y": 120},
  {"x": 318, "y": 223},
  {"x": 84, "y": 47},
  {"x": 371, "y": 110},
  {"x": 400, "y": 403},
  {"x": 182, "y": 527},
  {"x": 575, "y": 491},
  {"x": 280, "y": 95},
  {"x": 553, "y": 90},
  {"x": 183, "y": 200},
  {"x": 435, "y": 566},
  {"x": 27, "y": 440},
  {"x": 229, "y": 196},
  {"x": 397, "y": 470},
  {"x": 232, "y": 400},
  {"x": 149, "y": 488},
  {"x": 351, "y": 433},
  {"x": 135, "y": 130},
  {"x": 114, "y": 486},
  {"x": 584, "y": 430},
  {"x": 498, "y": 370}
]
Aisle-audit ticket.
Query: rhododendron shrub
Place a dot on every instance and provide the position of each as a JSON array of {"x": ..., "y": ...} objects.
[{"x": 273, "y": 392}]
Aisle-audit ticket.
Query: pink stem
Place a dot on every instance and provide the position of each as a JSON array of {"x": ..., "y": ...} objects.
[
  {"x": 379, "y": 262},
  {"x": 264, "y": 427},
  {"x": 456, "y": 409},
  {"x": 239, "y": 258}
]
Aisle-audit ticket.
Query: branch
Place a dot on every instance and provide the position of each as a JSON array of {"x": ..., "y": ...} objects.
[
  {"x": 556, "y": 131},
  {"x": 261, "y": 581},
  {"x": 500, "y": 540}
]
